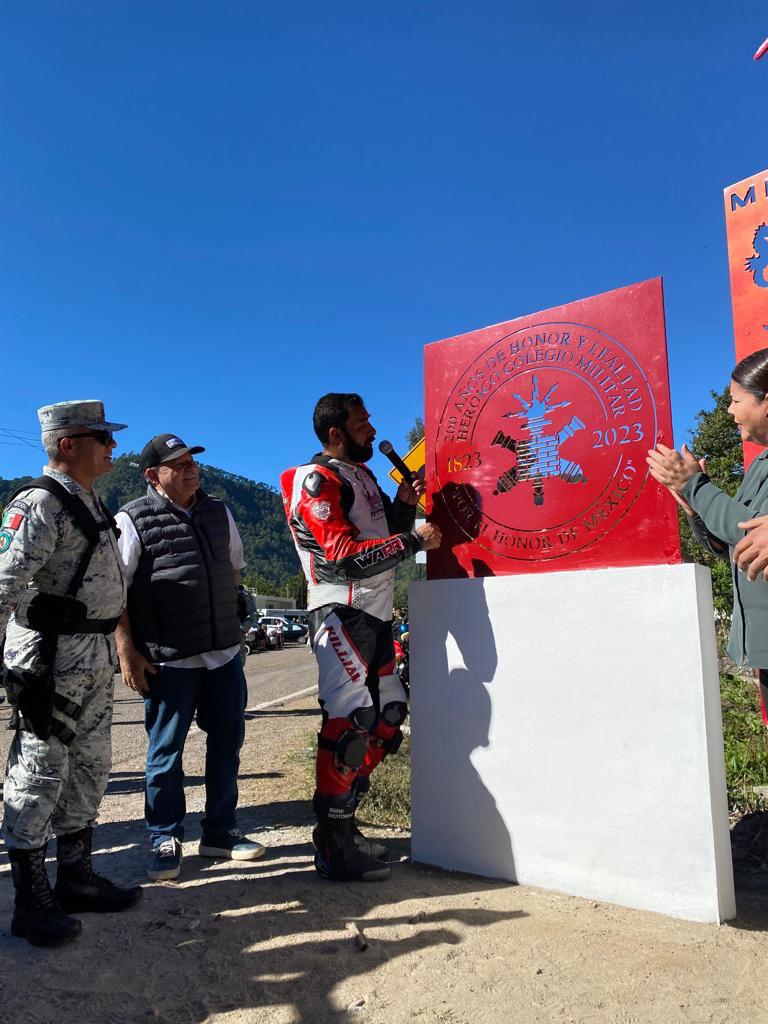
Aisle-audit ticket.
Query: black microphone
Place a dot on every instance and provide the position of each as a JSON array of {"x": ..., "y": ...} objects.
[{"x": 385, "y": 447}]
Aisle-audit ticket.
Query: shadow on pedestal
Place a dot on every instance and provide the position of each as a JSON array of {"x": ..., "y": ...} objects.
[{"x": 449, "y": 796}]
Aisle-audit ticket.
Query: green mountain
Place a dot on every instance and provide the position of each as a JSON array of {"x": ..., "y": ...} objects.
[{"x": 257, "y": 508}]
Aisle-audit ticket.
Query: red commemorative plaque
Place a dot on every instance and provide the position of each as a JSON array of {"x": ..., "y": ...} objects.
[{"x": 537, "y": 432}]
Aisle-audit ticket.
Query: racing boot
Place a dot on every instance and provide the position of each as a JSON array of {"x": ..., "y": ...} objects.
[
  {"x": 365, "y": 845},
  {"x": 337, "y": 857},
  {"x": 360, "y": 788},
  {"x": 36, "y": 915},
  {"x": 78, "y": 888}
]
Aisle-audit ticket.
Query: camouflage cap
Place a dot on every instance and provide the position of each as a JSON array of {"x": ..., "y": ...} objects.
[{"x": 88, "y": 414}]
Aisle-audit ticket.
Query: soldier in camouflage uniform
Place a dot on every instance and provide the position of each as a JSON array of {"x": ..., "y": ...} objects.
[{"x": 59, "y": 676}]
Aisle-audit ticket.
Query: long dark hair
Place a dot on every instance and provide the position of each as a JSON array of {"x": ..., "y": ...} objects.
[{"x": 752, "y": 373}]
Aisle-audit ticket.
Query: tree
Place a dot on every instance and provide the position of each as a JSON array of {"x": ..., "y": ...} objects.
[
  {"x": 715, "y": 438},
  {"x": 261, "y": 584},
  {"x": 296, "y": 587},
  {"x": 405, "y": 573},
  {"x": 416, "y": 433},
  {"x": 256, "y": 507}
]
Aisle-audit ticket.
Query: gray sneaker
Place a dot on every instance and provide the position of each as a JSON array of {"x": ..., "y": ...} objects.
[
  {"x": 231, "y": 845},
  {"x": 166, "y": 861}
]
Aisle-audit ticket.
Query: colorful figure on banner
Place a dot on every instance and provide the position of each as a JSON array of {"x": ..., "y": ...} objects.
[
  {"x": 538, "y": 456},
  {"x": 757, "y": 264}
]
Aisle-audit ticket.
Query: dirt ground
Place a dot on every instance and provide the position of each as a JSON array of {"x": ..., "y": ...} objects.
[{"x": 272, "y": 942}]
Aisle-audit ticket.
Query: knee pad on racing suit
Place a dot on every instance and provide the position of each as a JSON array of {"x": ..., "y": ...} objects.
[
  {"x": 386, "y": 735},
  {"x": 342, "y": 748},
  {"x": 394, "y": 713}
]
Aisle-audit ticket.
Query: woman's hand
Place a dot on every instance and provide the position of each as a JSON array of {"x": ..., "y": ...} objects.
[
  {"x": 674, "y": 469},
  {"x": 751, "y": 553}
]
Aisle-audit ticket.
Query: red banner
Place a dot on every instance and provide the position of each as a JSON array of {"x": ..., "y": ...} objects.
[{"x": 746, "y": 226}]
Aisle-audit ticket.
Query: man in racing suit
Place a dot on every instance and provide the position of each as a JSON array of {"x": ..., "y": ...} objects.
[{"x": 350, "y": 537}]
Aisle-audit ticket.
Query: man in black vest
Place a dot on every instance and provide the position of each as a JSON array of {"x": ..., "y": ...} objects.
[{"x": 179, "y": 645}]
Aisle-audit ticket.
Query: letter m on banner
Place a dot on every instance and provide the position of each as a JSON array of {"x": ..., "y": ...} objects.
[{"x": 746, "y": 225}]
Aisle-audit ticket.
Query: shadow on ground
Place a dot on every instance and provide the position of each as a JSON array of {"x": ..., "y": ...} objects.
[
  {"x": 257, "y": 937},
  {"x": 749, "y": 844},
  {"x": 279, "y": 712},
  {"x": 133, "y": 782}
]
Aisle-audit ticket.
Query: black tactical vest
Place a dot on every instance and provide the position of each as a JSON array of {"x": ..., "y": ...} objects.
[{"x": 183, "y": 598}]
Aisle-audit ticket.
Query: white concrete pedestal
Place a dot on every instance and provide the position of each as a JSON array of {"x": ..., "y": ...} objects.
[{"x": 566, "y": 733}]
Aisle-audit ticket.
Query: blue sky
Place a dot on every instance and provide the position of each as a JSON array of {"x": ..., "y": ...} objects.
[{"x": 214, "y": 213}]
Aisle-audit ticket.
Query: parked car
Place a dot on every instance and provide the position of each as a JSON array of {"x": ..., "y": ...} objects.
[{"x": 292, "y": 631}]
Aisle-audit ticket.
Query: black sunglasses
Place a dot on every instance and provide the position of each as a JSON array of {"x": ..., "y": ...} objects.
[{"x": 102, "y": 436}]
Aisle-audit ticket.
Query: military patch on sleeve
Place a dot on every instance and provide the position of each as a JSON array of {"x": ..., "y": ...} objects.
[
  {"x": 12, "y": 519},
  {"x": 17, "y": 505},
  {"x": 313, "y": 483}
]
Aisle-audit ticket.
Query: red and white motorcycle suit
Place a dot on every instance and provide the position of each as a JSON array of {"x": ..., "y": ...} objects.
[{"x": 350, "y": 537}]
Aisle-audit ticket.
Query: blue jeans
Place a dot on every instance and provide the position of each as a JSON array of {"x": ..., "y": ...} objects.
[{"x": 219, "y": 698}]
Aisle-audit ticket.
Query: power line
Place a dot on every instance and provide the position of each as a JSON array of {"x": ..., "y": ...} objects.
[
  {"x": 18, "y": 438},
  {"x": 18, "y": 430}
]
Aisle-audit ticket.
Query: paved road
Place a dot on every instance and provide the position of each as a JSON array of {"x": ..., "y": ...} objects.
[
  {"x": 271, "y": 676},
  {"x": 274, "y": 674}
]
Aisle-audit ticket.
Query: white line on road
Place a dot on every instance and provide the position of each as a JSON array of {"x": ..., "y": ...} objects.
[{"x": 281, "y": 700}]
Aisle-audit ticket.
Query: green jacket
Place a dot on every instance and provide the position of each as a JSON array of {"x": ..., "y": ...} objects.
[{"x": 715, "y": 527}]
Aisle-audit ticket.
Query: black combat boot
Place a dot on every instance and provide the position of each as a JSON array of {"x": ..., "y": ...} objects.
[
  {"x": 78, "y": 888},
  {"x": 337, "y": 857},
  {"x": 36, "y": 915}
]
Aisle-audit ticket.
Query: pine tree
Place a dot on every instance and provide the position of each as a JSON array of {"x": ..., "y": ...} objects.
[{"x": 416, "y": 433}]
